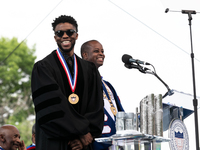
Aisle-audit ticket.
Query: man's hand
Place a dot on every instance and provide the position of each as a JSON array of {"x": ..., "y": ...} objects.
[
  {"x": 86, "y": 139},
  {"x": 22, "y": 146},
  {"x": 76, "y": 144}
]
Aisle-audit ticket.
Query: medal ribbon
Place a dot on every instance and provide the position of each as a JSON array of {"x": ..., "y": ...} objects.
[{"x": 72, "y": 82}]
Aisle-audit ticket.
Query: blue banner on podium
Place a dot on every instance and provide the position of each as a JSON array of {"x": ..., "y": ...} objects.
[{"x": 179, "y": 105}]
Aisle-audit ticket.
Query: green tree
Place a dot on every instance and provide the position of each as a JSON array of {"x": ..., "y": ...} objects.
[{"x": 15, "y": 79}]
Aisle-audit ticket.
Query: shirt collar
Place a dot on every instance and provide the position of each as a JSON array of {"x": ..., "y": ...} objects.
[
  {"x": 66, "y": 56},
  {"x": 1, "y": 148}
]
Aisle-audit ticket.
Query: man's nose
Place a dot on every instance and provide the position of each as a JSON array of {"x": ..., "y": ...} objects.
[
  {"x": 101, "y": 53},
  {"x": 18, "y": 140},
  {"x": 65, "y": 34}
]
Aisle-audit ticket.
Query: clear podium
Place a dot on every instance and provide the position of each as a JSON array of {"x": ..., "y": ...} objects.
[
  {"x": 133, "y": 140},
  {"x": 179, "y": 105}
]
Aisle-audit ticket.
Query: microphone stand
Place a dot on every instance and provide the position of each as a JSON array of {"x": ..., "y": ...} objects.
[
  {"x": 169, "y": 92},
  {"x": 195, "y": 102},
  {"x": 145, "y": 70}
]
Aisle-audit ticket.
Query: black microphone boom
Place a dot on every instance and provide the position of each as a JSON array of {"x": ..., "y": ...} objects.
[
  {"x": 127, "y": 59},
  {"x": 140, "y": 68}
]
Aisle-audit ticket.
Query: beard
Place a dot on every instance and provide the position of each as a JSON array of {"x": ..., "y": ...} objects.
[{"x": 66, "y": 50}]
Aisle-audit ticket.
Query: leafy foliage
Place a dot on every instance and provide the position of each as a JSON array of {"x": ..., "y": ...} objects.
[{"x": 15, "y": 79}]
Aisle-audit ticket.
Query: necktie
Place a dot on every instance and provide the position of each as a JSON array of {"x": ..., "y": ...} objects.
[
  {"x": 70, "y": 64},
  {"x": 69, "y": 61}
]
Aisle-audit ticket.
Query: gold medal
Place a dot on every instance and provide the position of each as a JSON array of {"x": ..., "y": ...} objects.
[
  {"x": 73, "y": 98},
  {"x": 114, "y": 111}
]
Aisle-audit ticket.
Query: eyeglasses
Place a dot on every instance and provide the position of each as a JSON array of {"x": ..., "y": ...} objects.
[{"x": 69, "y": 32}]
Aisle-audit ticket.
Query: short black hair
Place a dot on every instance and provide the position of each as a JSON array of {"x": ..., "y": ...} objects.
[
  {"x": 85, "y": 46},
  {"x": 63, "y": 19}
]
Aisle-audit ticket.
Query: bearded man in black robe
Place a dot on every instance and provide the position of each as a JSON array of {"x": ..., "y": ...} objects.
[{"x": 67, "y": 94}]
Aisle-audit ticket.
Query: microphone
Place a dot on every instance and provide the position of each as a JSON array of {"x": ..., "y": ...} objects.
[
  {"x": 166, "y": 10},
  {"x": 130, "y": 66},
  {"x": 127, "y": 59},
  {"x": 140, "y": 68}
]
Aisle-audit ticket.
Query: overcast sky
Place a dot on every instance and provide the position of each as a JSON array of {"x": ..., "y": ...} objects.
[{"x": 141, "y": 29}]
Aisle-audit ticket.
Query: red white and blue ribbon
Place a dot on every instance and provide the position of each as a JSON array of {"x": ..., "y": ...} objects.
[{"x": 72, "y": 81}]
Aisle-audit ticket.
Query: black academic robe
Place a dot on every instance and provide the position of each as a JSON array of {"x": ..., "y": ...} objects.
[{"x": 57, "y": 120}]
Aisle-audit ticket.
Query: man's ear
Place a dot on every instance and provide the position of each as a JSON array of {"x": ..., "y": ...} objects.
[
  {"x": 76, "y": 36},
  {"x": 2, "y": 138},
  {"x": 85, "y": 55},
  {"x": 54, "y": 37}
]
